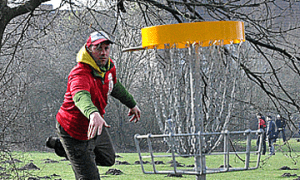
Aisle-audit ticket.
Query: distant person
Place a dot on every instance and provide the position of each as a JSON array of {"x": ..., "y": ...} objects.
[
  {"x": 298, "y": 140},
  {"x": 281, "y": 123},
  {"x": 81, "y": 126},
  {"x": 299, "y": 129},
  {"x": 271, "y": 134},
  {"x": 261, "y": 125}
]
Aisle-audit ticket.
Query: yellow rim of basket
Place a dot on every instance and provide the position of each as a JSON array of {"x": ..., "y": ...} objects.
[{"x": 203, "y": 33}]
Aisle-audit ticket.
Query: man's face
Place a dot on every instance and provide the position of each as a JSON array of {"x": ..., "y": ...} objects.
[{"x": 100, "y": 53}]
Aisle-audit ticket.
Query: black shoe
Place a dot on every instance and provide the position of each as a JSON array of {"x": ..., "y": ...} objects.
[
  {"x": 54, "y": 143},
  {"x": 51, "y": 141}
]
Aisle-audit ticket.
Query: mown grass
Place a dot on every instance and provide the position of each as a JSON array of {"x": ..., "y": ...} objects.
[{"x": 269, "y": 166}]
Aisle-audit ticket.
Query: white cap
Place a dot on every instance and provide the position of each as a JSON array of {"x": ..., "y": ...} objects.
[{"x": 98, "y": 37}]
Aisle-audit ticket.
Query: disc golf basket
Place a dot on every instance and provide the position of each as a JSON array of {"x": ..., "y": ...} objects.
[{"x": 194, "y": 67}]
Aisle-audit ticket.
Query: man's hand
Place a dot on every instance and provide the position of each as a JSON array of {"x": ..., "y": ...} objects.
[
  {"x": 96, "y": 124},
  {"x": 136, "y": 112}
]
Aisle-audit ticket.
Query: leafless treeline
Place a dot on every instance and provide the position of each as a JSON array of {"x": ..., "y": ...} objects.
[{"x": 39, "y": 47}]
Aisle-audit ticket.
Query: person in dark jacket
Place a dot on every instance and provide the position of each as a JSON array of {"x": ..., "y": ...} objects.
[
  {"x": 81, "y": 126},
  {"x": 271, "y": 134},
  {"x": 299, "y": 129},
  {"x": 262, "y": 126},
  {"x": 281, "y": 123}
]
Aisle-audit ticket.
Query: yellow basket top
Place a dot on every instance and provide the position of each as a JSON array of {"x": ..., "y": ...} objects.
[{"x": 205, "y": 33}]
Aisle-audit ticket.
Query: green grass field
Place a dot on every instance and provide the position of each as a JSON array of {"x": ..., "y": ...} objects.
[{"x": 60, "y": 169}]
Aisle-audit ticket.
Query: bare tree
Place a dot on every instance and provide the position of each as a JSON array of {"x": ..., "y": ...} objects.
[
  {"x": 261, "y": 79},
  {"x": 269, "y": 63}
]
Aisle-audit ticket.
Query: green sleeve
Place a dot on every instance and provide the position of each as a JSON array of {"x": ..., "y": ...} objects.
[
  {"x": 83, "y": 102},
  {"x": 119, "y": 92}
]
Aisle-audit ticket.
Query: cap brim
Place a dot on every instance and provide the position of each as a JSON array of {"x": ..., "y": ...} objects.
[
  {"x": 138, "y": 48},
  {"x": 100, "y": 41}
]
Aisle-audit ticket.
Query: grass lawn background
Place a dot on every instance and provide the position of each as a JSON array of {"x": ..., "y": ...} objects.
[{"x": 53, "y": 167}]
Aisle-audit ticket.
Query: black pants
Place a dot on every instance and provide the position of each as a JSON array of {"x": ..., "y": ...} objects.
[
  {"x": 282, "y": 130},
  {"x": 86, "y": 155}
]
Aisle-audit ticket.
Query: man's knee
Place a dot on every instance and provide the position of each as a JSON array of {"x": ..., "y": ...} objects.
[
  {"x": 105, "y": 160},
  {"x": 54, "y": 143}
]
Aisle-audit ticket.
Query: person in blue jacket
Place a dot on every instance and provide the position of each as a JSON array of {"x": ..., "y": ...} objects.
[{"x": 271, "y": 134}]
